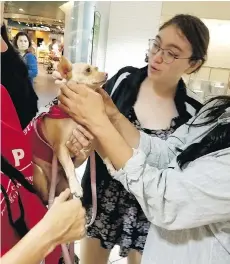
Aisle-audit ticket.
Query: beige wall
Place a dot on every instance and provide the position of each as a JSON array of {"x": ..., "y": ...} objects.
[{"x": 202, "y": 9}]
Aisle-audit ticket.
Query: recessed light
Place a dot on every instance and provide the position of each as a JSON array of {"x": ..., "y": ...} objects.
[
  {"x": 72, "y": 17},
  {"x": 20, "y": 9}
]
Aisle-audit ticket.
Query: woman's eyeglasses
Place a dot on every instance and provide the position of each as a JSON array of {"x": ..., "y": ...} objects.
[{"x": 167, "y": 55}]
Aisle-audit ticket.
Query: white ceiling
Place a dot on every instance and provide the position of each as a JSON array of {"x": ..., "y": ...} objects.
[{"x": 34, "y": 9}]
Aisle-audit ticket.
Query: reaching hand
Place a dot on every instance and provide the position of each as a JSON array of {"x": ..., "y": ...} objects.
[{"x": 65, "y": 220}]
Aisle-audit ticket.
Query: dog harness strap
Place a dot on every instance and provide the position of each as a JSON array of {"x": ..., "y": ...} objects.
[
  {"x": 93, "y": 187},
  {"x": 36, "y": 131},
  {"x": 56, "y": 112}
]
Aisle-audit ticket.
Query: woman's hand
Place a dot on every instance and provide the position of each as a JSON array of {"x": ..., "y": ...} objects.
[
  {"x": 83, "y": 104},
  {"x": 65, "y": 221},
  {"x": 81, "y": 144}
]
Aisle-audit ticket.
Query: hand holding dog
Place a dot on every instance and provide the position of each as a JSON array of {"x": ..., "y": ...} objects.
[
  {"x": 83, "y": 104},
  {"x": 81, "y": 144}
]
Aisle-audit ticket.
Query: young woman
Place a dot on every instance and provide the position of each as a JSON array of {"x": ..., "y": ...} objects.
[
  {"x": 23, "y": 43},
  {"x": 155, "y": 101},
  {"x": 28, "y": 232}
]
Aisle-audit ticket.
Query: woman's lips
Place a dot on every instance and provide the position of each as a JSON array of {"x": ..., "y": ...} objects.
[{"x": 153, "y": 69}]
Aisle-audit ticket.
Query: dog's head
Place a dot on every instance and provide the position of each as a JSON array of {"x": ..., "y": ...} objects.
[{"x": 79, "y": 73}]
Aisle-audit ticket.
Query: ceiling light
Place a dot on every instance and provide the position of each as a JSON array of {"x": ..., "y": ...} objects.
[
  {"x": 20, "y": 9},
  {"x": 72, "y": 17}
]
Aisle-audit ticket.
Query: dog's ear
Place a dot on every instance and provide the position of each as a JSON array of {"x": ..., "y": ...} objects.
[{"x": 64, "y": 67}]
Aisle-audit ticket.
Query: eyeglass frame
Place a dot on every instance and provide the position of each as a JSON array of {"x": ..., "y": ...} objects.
[{"x": 174, "y": 57}]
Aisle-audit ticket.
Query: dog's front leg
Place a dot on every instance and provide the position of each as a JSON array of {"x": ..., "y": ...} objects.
[{"x": 64, "y": 158}]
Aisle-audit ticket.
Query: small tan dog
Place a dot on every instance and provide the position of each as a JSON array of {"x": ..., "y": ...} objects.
[{"x": 53, "y": 129}]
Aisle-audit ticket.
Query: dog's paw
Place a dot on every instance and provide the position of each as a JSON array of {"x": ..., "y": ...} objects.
[
  {"x": 75, "y": 188},
  {"x": 60, "y": 81}
]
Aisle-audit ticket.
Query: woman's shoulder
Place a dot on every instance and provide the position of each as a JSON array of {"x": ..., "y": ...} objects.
[
  {"x": 30, "y": 56},
  {"x": 129, "y": 69},
  {"x": 122, "y": 74}
]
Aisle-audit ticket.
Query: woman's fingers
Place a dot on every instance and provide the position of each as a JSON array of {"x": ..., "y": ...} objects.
[
  {"x": 75, "y": 147},
  {"x": 82, "y": 139},
  {"x": 63, "y": 196},
  {"x": 85, "y": 132}
]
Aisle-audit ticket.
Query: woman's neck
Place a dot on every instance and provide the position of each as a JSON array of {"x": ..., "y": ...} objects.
[
  {"x": 162, "y": 89},
  {"x": 22, "y": 52}
]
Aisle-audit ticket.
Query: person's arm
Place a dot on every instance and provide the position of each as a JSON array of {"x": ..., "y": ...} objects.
[
  {"x": 159, "y": 153},
  {"x": 32, "y": 65},
  {"x": 32, "y": 248},
  {"x": 170, "y": 198},
  {"x": 184, "y": 199},
  {"x": 127, "y": 130}
]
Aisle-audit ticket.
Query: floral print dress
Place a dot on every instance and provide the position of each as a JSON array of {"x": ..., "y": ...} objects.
[{"x": 120, "y": 219}]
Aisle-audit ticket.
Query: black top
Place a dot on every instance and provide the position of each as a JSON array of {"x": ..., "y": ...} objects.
[
  {"x": 15, "y": 78},
  {"x": 127, "y": 83}
]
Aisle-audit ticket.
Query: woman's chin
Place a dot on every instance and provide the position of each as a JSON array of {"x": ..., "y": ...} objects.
[{"x": 153, "y": 76}]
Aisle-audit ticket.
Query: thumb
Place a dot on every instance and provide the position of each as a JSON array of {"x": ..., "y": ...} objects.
[{"x": 62, "y": 197}]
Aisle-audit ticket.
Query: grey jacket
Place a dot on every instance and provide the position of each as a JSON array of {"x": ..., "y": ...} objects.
[{"x": 189, "y": 209}]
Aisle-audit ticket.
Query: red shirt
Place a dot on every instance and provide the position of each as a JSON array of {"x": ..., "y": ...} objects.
[{"x": 16, "y": 149}]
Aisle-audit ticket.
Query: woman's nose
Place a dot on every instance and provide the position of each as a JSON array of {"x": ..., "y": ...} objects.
[{"x": 158, "y": 56}]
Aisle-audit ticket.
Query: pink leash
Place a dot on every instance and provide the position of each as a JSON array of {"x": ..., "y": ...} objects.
[
  {"x": 93, "y": 187},
  {"x": 68, "y": 255}
]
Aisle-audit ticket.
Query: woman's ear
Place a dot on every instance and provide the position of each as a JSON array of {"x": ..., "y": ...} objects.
[{"x": 194, "y": 65}]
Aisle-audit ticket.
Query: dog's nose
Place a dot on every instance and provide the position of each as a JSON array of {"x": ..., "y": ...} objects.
[{"x": 106, "y": 75}]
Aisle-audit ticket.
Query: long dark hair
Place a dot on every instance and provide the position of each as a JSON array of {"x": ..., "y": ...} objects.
[
  {"x": 14, "y": 76},
  {"x": 218, "y": 138}
]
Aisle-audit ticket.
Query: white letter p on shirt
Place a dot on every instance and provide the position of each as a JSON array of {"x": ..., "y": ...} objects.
[{"x": 18, "y": 155}]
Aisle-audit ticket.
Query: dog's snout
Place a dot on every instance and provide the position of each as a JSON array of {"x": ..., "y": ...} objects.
[{"x": 106, "y": 75}]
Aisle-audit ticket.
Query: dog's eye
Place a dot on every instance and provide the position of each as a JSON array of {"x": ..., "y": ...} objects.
[{"x": 88, "y": 70}]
